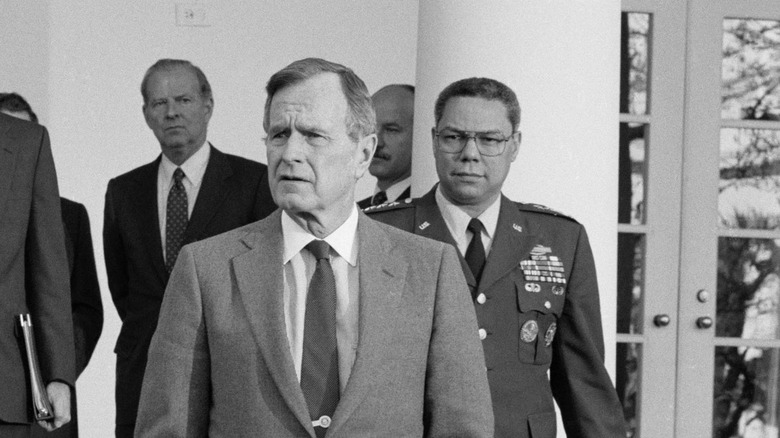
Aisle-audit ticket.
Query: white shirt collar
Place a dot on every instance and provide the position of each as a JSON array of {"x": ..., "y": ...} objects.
[
  {"x": 395, "y": 190},
  {"x": 457, "y": 220},
  {"x": 342, "y": 239},
  {"x": 194, "y": 168}
]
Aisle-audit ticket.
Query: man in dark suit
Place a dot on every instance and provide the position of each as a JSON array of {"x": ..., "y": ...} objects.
[
  {"x": 530, "y": 270},
  {"x": 392, "y": 162},
  {"x": 35, "y": 277},
  {"x": 192, "y": 191},
  {"x": 86, "y": 304},
  {"x": 317, "y": 319}
]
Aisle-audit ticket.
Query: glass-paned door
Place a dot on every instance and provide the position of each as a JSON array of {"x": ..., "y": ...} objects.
[{"x": 729, "y": 295}]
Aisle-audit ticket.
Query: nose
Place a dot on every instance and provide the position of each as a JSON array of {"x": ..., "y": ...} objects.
[
  {"x": 171, "y": 110},
  {"x": 293, "y": 149},
  {"x": 470, "y": 151}
]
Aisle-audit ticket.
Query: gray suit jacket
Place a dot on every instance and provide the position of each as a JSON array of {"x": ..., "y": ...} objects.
[{"x": 220, "y": 364}]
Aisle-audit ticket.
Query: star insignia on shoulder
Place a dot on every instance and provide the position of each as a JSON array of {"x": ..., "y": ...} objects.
[
  {"x": 539, "y": 208},
  {"x": 387, "y": 206}
]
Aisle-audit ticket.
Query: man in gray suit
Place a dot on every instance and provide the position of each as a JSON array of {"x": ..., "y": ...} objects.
[{"x": 316, "y": 321}]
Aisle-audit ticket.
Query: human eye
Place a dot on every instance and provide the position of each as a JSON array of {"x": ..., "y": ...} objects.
[
  {"x": 451, "y": 136},
  {"x": 489, "y": 139},
  {"x": 278, "y": 138}
]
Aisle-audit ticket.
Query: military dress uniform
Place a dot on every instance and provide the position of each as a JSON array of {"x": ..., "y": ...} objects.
[{"x": 537, "y": 306}]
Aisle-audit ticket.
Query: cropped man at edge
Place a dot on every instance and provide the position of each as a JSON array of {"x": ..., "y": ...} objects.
[
  {"x": 85, "y": 303},
  {"x": 34, "y": 278}
]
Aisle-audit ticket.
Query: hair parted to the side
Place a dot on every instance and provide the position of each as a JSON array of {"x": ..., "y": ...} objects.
[
  {"x": 360, "y": 118},
  {"x": 167, "y": 64},
  {"x": 15, "y": 103},
  {"x": 485, "y": 88}
]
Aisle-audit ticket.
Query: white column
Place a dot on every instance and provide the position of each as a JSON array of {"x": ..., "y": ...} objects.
[{"x": 562, "y": 59}]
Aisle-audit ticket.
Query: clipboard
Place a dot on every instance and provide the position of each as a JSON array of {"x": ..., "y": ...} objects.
[{"x": 40, "y": 398}]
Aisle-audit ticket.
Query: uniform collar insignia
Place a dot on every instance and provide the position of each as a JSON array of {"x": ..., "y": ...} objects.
[
  {"x": 424, "y": 225},
  {"x": 518, "y": 228}
]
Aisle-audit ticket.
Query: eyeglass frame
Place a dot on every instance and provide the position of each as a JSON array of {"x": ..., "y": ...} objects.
[{"x": 473, "y": 135}]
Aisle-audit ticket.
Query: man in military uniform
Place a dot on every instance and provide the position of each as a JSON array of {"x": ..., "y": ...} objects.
[{"x": 530, "y": 271}]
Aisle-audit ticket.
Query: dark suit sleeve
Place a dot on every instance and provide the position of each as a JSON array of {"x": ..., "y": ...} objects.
[
  {"x": 580, "y": 383},
  {"x": 48, "y": 291},
  {"x": 114, "y": 253},
  {"x": 457, "y": 396},
  {"x": 85, "y": 293},
  {"x": 176, "y": 390}
]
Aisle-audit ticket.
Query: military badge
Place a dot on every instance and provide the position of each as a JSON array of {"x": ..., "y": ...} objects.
[
  {"x": 424, "y": 225},
  {"x": 533, "y": 287},
  {"x": 543, "y": 266},
  {"x": 558, "y": 290},
  {"x": 550, "y": 334},
  {"x": 529, "y": 330}
]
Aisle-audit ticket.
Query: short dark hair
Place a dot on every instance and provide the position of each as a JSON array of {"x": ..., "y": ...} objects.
[
  {"x": 167, "y": 64},
  {"x": 360, "y": 118},
  {"x": 485, "y": 88},
  {"x": 15, "y": 103}
]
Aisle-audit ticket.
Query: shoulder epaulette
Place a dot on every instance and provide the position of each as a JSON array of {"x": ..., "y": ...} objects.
[
  {"x": 387, "y": 206},
  {"x": 539, "y": 208}
]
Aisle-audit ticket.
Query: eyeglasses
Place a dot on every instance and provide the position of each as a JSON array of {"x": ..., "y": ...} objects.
[{"x": 489, "y": 144}]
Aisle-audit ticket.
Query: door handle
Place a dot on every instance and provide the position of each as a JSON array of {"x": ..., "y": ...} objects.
[
  {"x": 704, "y": 322},
  {"x": 661, "y": 320}
]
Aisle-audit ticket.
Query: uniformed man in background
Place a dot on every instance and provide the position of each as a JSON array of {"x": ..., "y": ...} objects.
[{"x": 530, "y": 271}]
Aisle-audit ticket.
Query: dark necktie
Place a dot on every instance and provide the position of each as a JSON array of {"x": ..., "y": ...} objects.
[
  {"x": 320, "y": 362},
  {"x": 175, "y": 219},
  {"x": 379, "y": 198},
  {"x": 475, "y": 253}
]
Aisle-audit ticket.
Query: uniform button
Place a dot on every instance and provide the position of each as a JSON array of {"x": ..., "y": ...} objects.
[
  {"x": 547, "y": 305},
  {"x": 481, "y": 298},
  {"x": 482, "y": 334}
]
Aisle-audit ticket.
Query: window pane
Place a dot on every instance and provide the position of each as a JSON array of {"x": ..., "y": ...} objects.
[
  {"x": 631, "y": 263},
  {"x": 750, "y": 72},
  {"x": 632, "y": 173},
  {"x": 748, "y": 288},
  {"x": 627, "y": 383},
  {"x": 749, "y": 192},
  {"x": 634, "y": 66},
  {"x": 746, "y": 392}
]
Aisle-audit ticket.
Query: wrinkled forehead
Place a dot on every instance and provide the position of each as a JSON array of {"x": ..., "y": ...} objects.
[{"x": 317, "y": 99}]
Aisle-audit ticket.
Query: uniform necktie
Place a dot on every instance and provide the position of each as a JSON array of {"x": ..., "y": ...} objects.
[
  {"x": 475, "y": 253},
  {"x": 175, "y": 219},
  {"x": 379, "y": 198},
  {"x": 320, "y": 362}
]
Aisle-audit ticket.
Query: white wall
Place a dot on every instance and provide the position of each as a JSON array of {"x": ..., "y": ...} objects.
[{"x": 80, "y": 64}]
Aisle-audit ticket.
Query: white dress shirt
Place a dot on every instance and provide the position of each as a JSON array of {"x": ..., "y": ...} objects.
[
  {"x": 194, "y": 169},
  {"x": 457, "y": 222},
  {"x": 395, "y": 190},
  {"x": 299, "y": 268}
]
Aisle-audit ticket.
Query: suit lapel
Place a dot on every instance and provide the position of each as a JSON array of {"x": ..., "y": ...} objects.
[
  {"x": 8, "y": 156},
  {"x": 213, "y": 191},
  {"x": 428, "y": 222},
  {"x": 259, "y": 275},
  {"x": 382, "y": 275},
  {"x": 512, "y": 240},
  {"x": 143, "y": 198}
]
